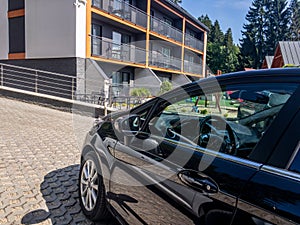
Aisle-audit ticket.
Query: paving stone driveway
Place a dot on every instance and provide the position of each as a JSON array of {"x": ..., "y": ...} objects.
[{"x": 39, "y": 165}]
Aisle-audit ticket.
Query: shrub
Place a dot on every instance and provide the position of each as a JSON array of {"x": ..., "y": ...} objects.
[
  {"x": 165, "y": 87},
  {"x": 140, "y": 92},
  {"x": 204, "y": 111}
]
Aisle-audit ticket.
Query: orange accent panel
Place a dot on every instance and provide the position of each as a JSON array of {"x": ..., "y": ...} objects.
[
  {"x": 148, "y": 32},
  {"x": 194, "y": 75},
  {"x": 168, "y": 8},
  {"x": 174, "y": 71},
  {"x": 16, "y": 13},
  {"x": 190, "y": 22},
  {"x": 165, "y": 38},
  {"x": 165, "y": 70},
  {"x": 88, "y": 29},
  {"x": 183, "y": 42},
  {"x": 20, "y": 55},
  {"x": 118, "y": 19},
  {"x": 99, "y": 58},
  {"x": 194, "y": 50}
]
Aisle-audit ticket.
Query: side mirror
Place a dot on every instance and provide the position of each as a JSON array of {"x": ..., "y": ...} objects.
[{"x": 128, "y": 124}]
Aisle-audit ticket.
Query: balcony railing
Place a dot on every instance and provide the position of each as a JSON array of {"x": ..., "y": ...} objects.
[
  {"x": 194, "y": 42},
  {"x": 190, "y": 67},
  {"x": 122, "y": 9},
  {"x": 159, "y": 60},
  {"x": 106, "y": 48},
  {"x": 165, "y": 29}
]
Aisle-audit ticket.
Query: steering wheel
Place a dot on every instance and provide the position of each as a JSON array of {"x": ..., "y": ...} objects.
[{"x": 216, "y": 134}]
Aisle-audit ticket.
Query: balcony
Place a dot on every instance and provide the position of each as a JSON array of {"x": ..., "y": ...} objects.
[
  {"x": 157, "y": 59},
  {"x": 106, "y": 48},
  {"x": 194, "y": 68},
  {"x": 165, "y": 29},
  {"x": 194, "y": 42},
  {"x": 123, "y": 10}
]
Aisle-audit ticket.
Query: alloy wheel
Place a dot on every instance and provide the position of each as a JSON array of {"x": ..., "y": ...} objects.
[{"x": 89, "y": 181}]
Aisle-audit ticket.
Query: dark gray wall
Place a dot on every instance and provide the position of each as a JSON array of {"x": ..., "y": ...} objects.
[
  {"x": 107, "y": 30},
  {"x": 56, "y": 65},
  {"x": 48, "y": 83}
]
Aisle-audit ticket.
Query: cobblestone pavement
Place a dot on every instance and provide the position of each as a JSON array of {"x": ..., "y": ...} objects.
[{"x": 39, "y": 165}]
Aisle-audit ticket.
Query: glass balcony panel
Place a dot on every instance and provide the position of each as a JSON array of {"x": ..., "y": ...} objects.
[
  {"x": 159, "y": 60},
  {"x": 123, "y": 10},
  {"x": 106, "y": 48},
  {"x": 191, "y": 67},
  {"x": 194, "y": 42},
  {"x": 165, "y": 29}
]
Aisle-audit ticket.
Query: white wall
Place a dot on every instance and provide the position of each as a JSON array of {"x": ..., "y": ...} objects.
[
  {"x": 54, "y": 28},
  {"x": 4, "y": 41},
  {"x": 81, "y": 31}
]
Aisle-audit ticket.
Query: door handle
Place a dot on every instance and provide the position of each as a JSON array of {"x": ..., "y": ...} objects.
[{"x": 198, "y": 181}]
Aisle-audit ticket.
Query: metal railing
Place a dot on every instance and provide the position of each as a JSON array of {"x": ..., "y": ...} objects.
[
  {"x": 193, "y": 42},
  {"x": 119, "y": 96},
  {"x": 191, "y": 67},
  {"x": 159, "y": 60},
  {"x": 38, "y": 81},
  {"x": 165, "y": 29},
  {"x": 125, "y": 52},
  {"x": 123, "y": 10}
]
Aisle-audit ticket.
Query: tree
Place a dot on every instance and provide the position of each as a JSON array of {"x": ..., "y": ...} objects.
[
  {"x": 222, "y": 54},
  {"x": 295, "y": 20},
  {"x": 268, "y": 23},
  {"x": 253, "y": 41},
  {"x": 277, "y": 24},
  {"x": 230, "y": 52},
  {"x": 216, "y": 33},
  {"x": 207, "y": 22}
]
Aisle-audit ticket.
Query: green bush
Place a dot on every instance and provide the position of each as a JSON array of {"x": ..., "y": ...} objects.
[
  {"x": 204, "y": 111},
  {"x": 140, "y": 92},
  {"x": 165, "y": 87}
]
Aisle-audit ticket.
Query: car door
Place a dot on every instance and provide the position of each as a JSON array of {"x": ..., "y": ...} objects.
[
  {"x": 190, "y": 160},
  {"x": 139, "y": 191},
  {"x": 273, "y": 194}
]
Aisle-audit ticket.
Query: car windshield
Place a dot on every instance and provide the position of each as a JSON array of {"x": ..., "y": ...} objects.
[{"x": 251, "y": 103}]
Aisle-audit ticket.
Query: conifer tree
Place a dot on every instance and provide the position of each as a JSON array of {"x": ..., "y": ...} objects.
[
  {"x": 253, "y": 41},
  {"x": 277, "y": 24},
  {"x": 295, "y": 20}
]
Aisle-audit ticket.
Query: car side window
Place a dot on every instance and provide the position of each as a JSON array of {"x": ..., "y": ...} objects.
[{"x": 231, "y": 121}]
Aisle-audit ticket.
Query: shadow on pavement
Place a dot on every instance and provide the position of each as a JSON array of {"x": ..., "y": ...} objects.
[{"x": 60, "y": 191}]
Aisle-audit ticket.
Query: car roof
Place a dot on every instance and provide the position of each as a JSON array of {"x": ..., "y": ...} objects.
[{"x": 284, "y": 74}]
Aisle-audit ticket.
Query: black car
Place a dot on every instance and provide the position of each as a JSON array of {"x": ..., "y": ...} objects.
[{"x": 223, "y": 150}]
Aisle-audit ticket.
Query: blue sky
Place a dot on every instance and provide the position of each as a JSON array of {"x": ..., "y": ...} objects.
[{"x": 230, "y": 13}]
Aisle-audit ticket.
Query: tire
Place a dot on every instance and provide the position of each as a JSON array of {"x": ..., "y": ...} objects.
[{"x": 91, "y": 189}]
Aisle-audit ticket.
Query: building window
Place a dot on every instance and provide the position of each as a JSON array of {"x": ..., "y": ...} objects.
[
  {"x": 120, "y": 46},
  {"x": 96, "y": 39},
  {"x": 166, "y": 59},
  {"x": 166, "y": 52}
]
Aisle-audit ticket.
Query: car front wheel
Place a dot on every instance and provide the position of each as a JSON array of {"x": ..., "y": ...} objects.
[{"x": 91, "y": 189}]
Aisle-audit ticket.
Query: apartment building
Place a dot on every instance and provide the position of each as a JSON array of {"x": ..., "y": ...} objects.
[{"x": 100, "y": 42}]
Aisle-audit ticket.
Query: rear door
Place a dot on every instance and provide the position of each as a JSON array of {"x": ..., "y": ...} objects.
[{"x": 273, "y": 194}]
